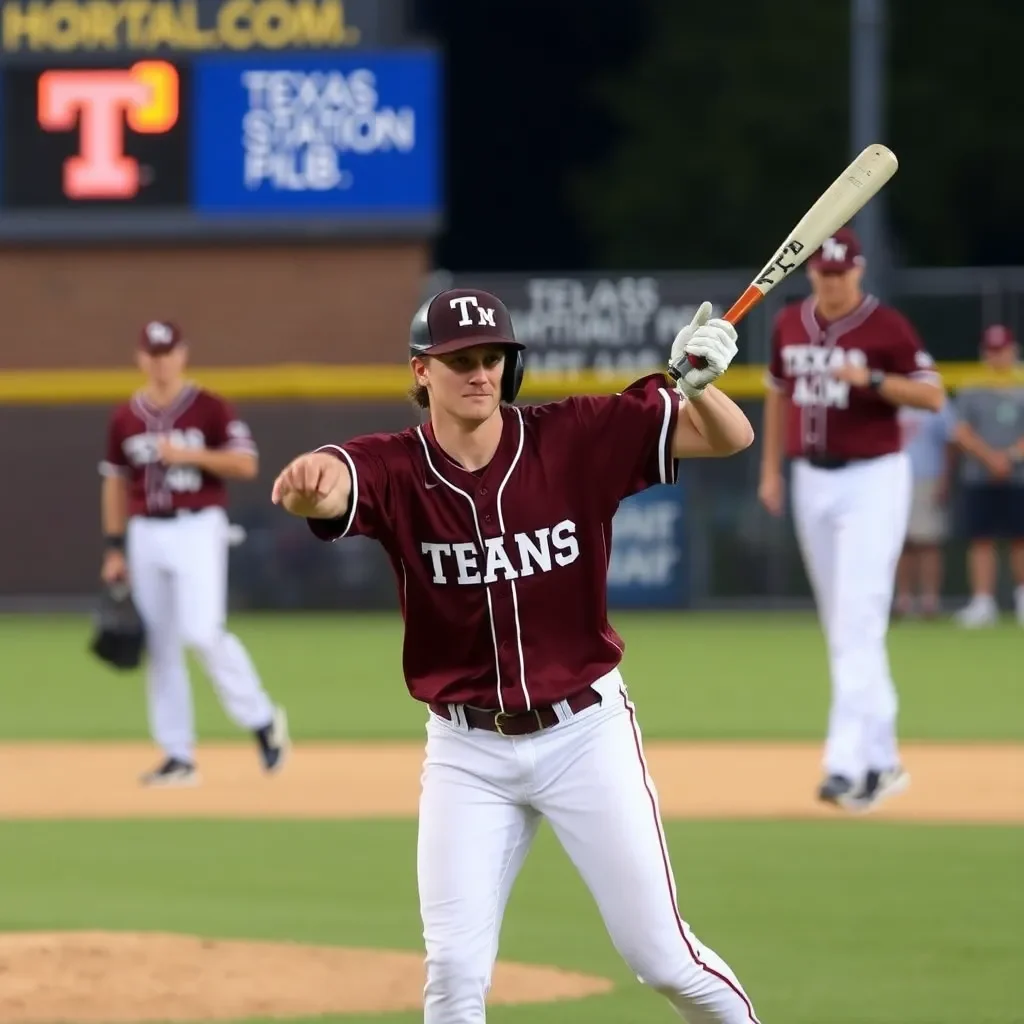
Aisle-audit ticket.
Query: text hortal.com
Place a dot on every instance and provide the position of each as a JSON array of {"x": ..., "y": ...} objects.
[
  {"x": 298, "y": 126},
  {"x": 65, "y": 26}
]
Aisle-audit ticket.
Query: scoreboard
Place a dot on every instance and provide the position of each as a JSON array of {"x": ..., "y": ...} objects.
[{"x": 99, "y": 144}]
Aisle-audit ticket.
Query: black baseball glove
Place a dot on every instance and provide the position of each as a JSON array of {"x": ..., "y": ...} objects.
[{"x": 119, "y": 638}]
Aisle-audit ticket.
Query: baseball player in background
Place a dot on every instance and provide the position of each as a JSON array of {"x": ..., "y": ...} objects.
[
  {"x": 842, "y": 363},
  {"x": 169, "y": 450},
  {"x": 497, "y": 522},
  {"x": 990, "y": 434}
]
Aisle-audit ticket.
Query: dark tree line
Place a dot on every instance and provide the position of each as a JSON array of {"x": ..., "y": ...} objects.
[{"x": 673, "y": 133}]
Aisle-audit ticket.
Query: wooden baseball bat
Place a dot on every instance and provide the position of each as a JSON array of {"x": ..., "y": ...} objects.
[{"x": 872, "y": 168}]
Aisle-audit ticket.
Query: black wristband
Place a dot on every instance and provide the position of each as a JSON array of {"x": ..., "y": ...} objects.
[
  {"x": 876, "y": 379},
  {"x": 114, "y": 542}
]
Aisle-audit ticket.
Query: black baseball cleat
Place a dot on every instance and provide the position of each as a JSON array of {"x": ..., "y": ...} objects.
[
  {"x": 173, "y": 772},
  {"x": 878, "y": 786},
  {"x": 835, "y": 789},
  {"x": 274, "y": 741}
]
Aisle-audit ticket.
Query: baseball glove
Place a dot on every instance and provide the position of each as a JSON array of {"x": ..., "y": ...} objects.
[{"x": 119, "y": 638}]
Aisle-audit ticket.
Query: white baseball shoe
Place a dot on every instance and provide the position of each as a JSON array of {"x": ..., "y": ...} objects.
[
  {"x": 980, "y": 612},
  {"x": 877, "y": 787}
]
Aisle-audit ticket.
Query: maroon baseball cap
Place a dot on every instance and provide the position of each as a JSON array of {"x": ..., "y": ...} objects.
[
  {"x": 838, "y": 254},
  {"x": 159, "y": 337},
  {"x": 997, "y": 336},
  {"x": 461, "y": 318}
]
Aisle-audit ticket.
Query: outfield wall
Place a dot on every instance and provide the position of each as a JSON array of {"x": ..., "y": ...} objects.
[
  {"x": 324, "y": 361},
  {"x": 704, "y": 542}
]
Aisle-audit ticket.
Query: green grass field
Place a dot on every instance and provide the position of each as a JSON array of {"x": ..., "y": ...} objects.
[
  {"x": 845, "y": 921},
  {"x": 759, "y": 676}
]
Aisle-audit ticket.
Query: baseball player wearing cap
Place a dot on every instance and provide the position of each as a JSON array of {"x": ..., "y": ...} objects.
[
  {"x": 497, "y": 522},
  {"x": 169, "y": 450},
  {"x": 990, "y": 433},
  {"x": 842, "y": 363}
]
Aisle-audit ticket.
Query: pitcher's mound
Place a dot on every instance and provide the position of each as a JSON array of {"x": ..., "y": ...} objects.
[{"x": 123, "y": 978}]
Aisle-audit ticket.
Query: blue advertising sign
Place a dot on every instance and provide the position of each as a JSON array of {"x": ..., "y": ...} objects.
[
  {"x": 354, "y": 134},
  {"x": 648, "y": 565}
]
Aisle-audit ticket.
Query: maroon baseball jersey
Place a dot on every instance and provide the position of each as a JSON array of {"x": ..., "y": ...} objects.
[
  {"x": 502, "y": 573},
  {"x": 825, "y": 416},
  {"x": 195, "y": 419}
]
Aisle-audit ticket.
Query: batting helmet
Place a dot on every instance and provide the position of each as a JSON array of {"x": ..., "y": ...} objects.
[{"x": 461, "y": 318}]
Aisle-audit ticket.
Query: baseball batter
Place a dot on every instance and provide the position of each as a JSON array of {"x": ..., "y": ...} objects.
[
  {"x": 169, "y": 450},
  {"x": 842, "y": 364},
  {"x": 497, "y": 521}
]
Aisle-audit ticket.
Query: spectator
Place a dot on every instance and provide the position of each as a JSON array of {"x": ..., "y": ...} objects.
[
  {"x": 927, "y": 439},
  {"x": 990, "y": 433}
]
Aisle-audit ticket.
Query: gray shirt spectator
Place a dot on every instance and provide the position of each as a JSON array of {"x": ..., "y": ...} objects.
[
  {"x": 990, "y": 435},
  {"x": 996, "y": 416}
]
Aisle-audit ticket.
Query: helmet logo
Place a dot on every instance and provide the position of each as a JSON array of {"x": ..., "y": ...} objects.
[
  {"x": 159, "y": 334},
  {"x": 485, "y": 315},
  {"x": 833, "y": 251}
]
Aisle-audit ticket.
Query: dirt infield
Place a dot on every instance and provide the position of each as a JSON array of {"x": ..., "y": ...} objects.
[
  {"x": 126, "y": 977},
  {"x": 131, "y": 978},
  {"x": 969, "y": 783}
]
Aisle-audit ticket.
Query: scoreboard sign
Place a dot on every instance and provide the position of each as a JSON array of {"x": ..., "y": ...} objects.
[
  {"x": 110, "y": 135},
  {"x": 221, "y": 146}
]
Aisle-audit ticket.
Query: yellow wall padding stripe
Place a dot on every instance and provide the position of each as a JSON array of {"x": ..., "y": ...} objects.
[{"x": 297, "y": 381}]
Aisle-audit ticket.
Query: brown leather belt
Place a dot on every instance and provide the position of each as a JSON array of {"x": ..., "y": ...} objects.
[{"x": 518, "y": 723}]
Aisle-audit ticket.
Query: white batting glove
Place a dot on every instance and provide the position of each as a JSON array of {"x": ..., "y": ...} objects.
[{"x": 713, "y": 341}]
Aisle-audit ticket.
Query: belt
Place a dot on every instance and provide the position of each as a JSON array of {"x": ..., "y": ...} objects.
[
  {"x": 172, "y": 513},
  {"x": 518, "y": 723},
  {"x": 829, "y": 461}
]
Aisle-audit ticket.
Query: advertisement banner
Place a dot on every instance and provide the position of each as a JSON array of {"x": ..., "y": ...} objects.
[
  {"x": 614, "y": 323},
  {"x": 648, "y": 567},
  {"x": 41, "y": 29},
  {"x": 354, "y": 135}
]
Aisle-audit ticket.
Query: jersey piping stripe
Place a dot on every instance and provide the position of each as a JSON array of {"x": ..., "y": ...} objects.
[
  {"x": 151, "y": 484},
  {"x": 666, "y": 464},
  {"x": 483, "y": 548},
  {"x": 684, "y": 932},
  {"x": 815, "y": 416},
  {"x": 160, "y": 420},
  {"x": 515, "y": 596},
  {"x": 353, "y": 498}
]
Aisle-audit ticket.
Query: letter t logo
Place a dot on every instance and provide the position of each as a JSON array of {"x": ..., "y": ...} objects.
[{"x": 98, "y": 101}]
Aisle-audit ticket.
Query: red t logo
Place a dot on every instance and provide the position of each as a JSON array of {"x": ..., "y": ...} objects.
[{"x": 99, "y": 102}]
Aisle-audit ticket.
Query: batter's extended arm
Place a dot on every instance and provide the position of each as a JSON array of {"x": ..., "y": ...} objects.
[{"x": 316, "y": 485}]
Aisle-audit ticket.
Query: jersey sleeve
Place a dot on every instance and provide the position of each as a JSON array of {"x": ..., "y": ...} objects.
[
  {"x": 114, "y": 461},
  {"x": 628, "y": 437},
  {"x": 369, "y": 508},
  {"x": 906, "y": 355},
  {"x": 228, "y": 431}
]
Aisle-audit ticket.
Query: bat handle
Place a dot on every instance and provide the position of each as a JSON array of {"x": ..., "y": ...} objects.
[{"x": 734, "y": 314}]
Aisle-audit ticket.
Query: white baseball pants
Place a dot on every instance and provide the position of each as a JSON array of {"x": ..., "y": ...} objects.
[
  {"x": 851, "y": 524},
  {"x": 178, "y": 570},
  {"x": 483, "y": 798}
]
